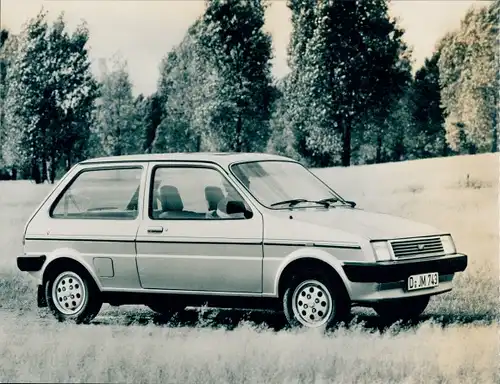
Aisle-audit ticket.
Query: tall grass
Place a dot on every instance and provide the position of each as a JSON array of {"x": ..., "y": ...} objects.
[{"x": 427, "y": 354}]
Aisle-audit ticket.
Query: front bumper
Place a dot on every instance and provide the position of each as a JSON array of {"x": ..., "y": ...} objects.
[{"x": 395, "y": 271}]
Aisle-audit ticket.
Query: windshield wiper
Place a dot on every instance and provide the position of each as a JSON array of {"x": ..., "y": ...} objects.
[
  {"x": 294, "y": 202},
  {"x": 290, "y": 202},
  {"x": 332, "y": 200},
  {"x": 328, "y": 201}
]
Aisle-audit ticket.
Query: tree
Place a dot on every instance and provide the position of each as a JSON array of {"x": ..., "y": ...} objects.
[
  {"x": 283, "y": 138},
  {"x": 181, "y": 95},
  {"x": 116, "y": 116},
  {"x": 69, "y": 97},
  {"x": 149, "y": 114},
  {"x": 354, "y": 65},
  {"x": 26, "y": 78},
  {"x": 8, "y": 46},
  {"x": 469, "y": 81},
  {"x": 4, "y": 62},
  {"x": 49, "y": 99},
  {"x": 295, "y": 103},
  {"x": 238, "y": 88},
  {"x": 428, "y": 114}
]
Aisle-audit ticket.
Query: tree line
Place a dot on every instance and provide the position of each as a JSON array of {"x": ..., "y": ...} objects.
[{"x": 350, "y": 96}]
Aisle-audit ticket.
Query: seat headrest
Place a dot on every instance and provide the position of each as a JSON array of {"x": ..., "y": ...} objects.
[
  {"x": 213, "y": 195},
  {"x": 171, "y": 199}
]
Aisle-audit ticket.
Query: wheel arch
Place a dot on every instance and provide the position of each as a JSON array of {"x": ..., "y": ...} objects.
[
  {"x": 321, "y": 261},
  {"x": 59, "y": 263}
]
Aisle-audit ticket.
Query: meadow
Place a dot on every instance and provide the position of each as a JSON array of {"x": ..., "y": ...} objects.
[{"x": 456, "y": 340}]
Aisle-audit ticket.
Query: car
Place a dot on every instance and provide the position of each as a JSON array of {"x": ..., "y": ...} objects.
[{"x": 226, "y": 230}]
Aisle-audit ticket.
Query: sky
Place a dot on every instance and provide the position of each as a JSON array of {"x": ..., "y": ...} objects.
[{"x": 144, "y": 31}]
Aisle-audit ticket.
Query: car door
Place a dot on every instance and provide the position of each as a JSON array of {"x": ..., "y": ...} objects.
[{"x": 183, "y": 244}]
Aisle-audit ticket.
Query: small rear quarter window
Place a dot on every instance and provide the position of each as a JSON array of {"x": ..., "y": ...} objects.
[{"x": 101, "y": 194}]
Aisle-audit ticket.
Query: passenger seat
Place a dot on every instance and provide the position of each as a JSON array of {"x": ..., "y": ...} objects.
[{"x": 213, "y": 195}]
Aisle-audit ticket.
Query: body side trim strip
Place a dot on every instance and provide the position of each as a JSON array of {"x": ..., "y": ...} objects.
[{"x": 131, "y": 239}]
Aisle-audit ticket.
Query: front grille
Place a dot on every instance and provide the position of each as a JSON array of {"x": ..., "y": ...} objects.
[{"x": 426, "y": 246}]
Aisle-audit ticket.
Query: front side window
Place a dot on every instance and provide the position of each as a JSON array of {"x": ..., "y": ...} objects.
[
  {"x": 193, "y": 193},
  {"x": 276, "y": 184},
  {"x": 101, "y": 194}
]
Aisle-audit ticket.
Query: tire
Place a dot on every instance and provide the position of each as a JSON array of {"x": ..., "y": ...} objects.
[
  {"x": 325, "y": 302},
  {"x": 72, "y": 295},
  {"x": 403, "y": 309}
]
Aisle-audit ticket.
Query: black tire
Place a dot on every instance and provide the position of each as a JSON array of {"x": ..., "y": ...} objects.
[
  {"x": 80, "y": 303},
  {"x": 404, "y": 309},
  {"x": 322, "y": 289}
]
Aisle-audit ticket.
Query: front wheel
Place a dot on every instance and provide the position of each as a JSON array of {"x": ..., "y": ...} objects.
[
  {"x": 72, "y": 295},
  {"x": 403, "y": 309},
  {"x": 314, "y": 300}
]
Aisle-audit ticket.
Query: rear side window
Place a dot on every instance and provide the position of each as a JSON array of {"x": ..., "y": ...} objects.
[{"x": 101, "y": 194}]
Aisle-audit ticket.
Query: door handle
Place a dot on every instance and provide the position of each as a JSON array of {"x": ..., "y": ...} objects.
[{"x": 155, "y": 229}]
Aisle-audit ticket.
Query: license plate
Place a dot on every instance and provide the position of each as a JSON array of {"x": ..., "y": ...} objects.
[{"x": 425, "y": 280}]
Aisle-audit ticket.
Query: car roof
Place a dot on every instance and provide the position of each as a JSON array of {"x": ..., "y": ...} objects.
[{"x": 222, "y": 158}]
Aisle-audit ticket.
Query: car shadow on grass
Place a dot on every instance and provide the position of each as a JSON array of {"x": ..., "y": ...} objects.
[{"x": 230, "y": 319}]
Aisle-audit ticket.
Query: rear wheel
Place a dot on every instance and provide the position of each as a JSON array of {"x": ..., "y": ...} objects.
[
  {"x": 72, "y": 295},
  {"x": 314, "y": 300},
  {"x": 403, "y": 309}
]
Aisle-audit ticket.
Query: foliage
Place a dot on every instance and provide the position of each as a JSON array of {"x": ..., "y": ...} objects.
[
  {"x": 50, "y": 97},
  {"x": 283, "y": 138},
  {"x": 349, "y": 97},
  {"x": 428, "y": 114},
  {"x": 180, "y": 85},
  {"x": 8, "y": 46},
  {"x": 116, "y": 123},
  {"x": 149, "y": 114},
  {"x": 469, "y": 81},
  {"x": 180, "y": 94},
  {"x": 239, "y": 92},
  {"x": 350, "y": 62}
]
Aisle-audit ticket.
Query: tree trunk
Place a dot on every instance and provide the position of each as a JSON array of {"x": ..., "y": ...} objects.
[
  {"x": 35, "y": 171},
  {"x": 52, "y": 169},
  {"x": 378, "y": 157},
  {"x": 68, "y": 161},
  {"x": 44, "y": 170},
  {"x": 472, "y": 149},
  {"x": 14, "y": 173},
  {"x": 399, "y": 150},
  {"x": 494, "y": 141},
  {"x": 445, "y": 148},
  {"x": 239, "y": 128},
  {"x": 52, "y": 174},
  {"x": 346, "y": 145},
  {"x": 198, "y": 143}
]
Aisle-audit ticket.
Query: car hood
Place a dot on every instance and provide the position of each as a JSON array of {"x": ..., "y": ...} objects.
[{"x": 369, "y": 225}]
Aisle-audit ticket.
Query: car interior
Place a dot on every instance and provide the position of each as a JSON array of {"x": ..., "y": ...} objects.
[{"x": 168, "y": 203}]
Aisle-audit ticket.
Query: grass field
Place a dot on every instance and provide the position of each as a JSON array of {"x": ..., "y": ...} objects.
[{"x": 457, "y": 340}]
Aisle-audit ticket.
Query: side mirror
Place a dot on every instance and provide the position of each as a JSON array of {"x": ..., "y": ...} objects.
[
  {"x": 351, "y": 203},
  {"x": 234, "y": 206}
]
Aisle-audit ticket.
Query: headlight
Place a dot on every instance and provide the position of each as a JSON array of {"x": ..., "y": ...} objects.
[
  {"x": 448, "y": 245},
  {"x": 381, "y": 249}
]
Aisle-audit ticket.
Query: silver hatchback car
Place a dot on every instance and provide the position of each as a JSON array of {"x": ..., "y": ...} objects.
[{"x": 232, "y": 230}]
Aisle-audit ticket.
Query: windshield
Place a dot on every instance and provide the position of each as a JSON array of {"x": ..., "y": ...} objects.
[{"x": 272, "y": 182}]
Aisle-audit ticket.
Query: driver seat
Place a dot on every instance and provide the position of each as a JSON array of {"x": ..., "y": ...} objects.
[{"x": 171, "y": 200}]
